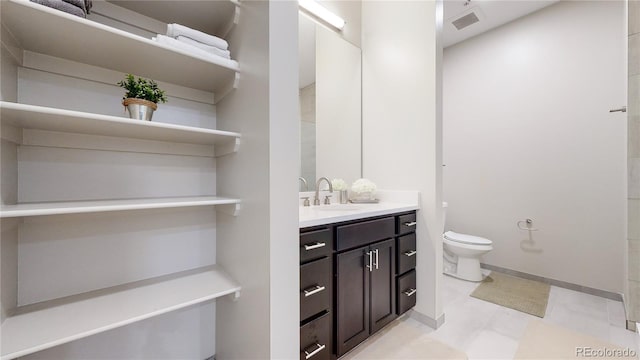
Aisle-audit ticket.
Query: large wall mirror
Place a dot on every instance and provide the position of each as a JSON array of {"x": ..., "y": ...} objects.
[{"x": 330, "y": 105}]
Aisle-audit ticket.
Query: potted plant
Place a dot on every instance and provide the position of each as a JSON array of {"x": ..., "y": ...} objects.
[{"x": 142, "y": 97}]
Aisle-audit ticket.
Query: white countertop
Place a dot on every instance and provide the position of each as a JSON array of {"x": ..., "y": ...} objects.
[
  {"x": 328, "y": 214},
  {"x": 391, "y": 202}
]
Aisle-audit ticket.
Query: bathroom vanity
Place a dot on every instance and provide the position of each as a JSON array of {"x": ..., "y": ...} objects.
[{"x": 357, "y": 274}]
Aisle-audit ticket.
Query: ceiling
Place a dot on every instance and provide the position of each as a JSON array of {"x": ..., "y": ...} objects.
[{"x": 490, "y": 13}]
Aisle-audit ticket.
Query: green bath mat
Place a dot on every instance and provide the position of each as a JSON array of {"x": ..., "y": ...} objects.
[{"x": 524, "y": 295}]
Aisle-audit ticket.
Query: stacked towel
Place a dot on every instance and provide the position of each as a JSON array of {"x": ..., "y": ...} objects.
[
  {"x": 163, "y": 39},
  {"x": 175, "y": 30},
  {"x": 75, "y": 7},
  {"x": 194, "y": 41},
  {"x": 208, "y": 48}
]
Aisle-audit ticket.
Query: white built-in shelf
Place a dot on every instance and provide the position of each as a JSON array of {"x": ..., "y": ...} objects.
[
  {"x": 212, "y": 17},
  {"x": 45, "y": 118},
  {"x": 37, "y": 327},
  {"x": 79, "y": 207},
  {"x": 44, "y": 30}
]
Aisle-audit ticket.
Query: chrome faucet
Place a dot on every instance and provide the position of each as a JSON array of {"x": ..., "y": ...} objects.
[
  {"x": 304, "y": 181},
  {"x": 327, "y": 201}
]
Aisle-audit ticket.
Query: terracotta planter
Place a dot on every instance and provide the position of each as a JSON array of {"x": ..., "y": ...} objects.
[{"x": 140, "y": 109}]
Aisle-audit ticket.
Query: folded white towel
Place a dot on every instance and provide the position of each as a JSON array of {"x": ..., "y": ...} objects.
[
  {"x": 162, "y": 39},
  {"x": 175, "y": 30},
  {"x": 208, "y": 48}
]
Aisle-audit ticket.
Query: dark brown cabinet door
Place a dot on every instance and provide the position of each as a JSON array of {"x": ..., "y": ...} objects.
[
  {"x": 352, "y": 303},
  {"x": 383, "y": 284},
  {"x": 366, "y": 292}
]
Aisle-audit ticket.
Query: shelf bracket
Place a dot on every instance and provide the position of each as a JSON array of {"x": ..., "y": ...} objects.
[
  {"x": 229, "y": 209},
  {"x": 233, "y": 22},
  {"x": 228, "y": 89},
  {"x": 236, "y": 295},
  {"x": 236, "y": 80},
  {"x": 227, "y": 147}
]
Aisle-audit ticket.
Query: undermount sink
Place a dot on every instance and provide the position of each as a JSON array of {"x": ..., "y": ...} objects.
[{"x": 338, "y": 207}]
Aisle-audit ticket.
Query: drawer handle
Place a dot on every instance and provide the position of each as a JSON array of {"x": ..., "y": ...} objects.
[
  {"x": 411, "y": 223},
  {"x": 370, "y": 263},
  {"x": 376, "y": 253},
  {"x": 410, "y": 292},
  {"x": 313, "y": 290},
  {"x": 308, "y": 355},
  {"x": 410, "y": 253},
  {"x": 317, "y": 245}
]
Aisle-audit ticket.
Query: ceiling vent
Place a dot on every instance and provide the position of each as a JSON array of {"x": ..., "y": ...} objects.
[{"x": 465, "y": 21}]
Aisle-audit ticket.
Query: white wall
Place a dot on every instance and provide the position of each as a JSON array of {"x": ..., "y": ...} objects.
[
  {"x": 261, "y": 246},
  {"x": 284, "y": 137},
  {"x": 632, "y": 293},
  {"x": 528, "y": 134},
  {"x": 401, "y": 123}
]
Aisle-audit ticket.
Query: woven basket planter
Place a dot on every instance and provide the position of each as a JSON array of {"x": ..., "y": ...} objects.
[{"x": 140, "y": 109}]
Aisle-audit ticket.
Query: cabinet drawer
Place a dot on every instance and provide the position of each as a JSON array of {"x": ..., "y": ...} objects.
[
  {"x": 315, "y": 287},
  {"x": 406, "y": 291},
  {"x": 406, "y": 223},
  {"x": 406, "y": 254},
  {"x": 363, "y": 233},
  {"x": 315, "y": 244},
  {"x": 315, "y": 339}
]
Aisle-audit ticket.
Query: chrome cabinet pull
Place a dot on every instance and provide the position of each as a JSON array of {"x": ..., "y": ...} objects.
[
  {"x": 410, "y": 292},
  {"x": 410, "y": 253},
  {"x": 313, "y": 290},
  {"x": 308, "y": 355},
  {"x": 314, "y": 246},
  {"x": 411, "y": 223},
  {"x": 376, "y": 252},
  {"x": 370, "y": 263}
]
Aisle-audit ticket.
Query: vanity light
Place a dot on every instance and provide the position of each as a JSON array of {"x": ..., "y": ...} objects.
[{"x": 315, "y": 9}]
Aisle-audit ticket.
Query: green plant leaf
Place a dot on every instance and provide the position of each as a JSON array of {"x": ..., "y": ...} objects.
[{"x": 142, "y": 89}]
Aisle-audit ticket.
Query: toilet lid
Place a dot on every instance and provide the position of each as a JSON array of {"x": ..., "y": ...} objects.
[{"x": 466, "y": 239}]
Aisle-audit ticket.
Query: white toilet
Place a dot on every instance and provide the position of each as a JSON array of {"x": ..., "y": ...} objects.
[{"x": 462, "y": 253}]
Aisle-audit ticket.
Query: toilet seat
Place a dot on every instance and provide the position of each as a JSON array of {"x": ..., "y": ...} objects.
[{"x": 466, "y": 239}]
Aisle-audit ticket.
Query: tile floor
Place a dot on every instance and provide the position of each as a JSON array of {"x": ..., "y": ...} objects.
[{"x": 485, "y": 330}]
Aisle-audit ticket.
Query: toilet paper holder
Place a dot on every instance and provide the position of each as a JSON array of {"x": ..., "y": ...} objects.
[{"x": 526, "y": 225}]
